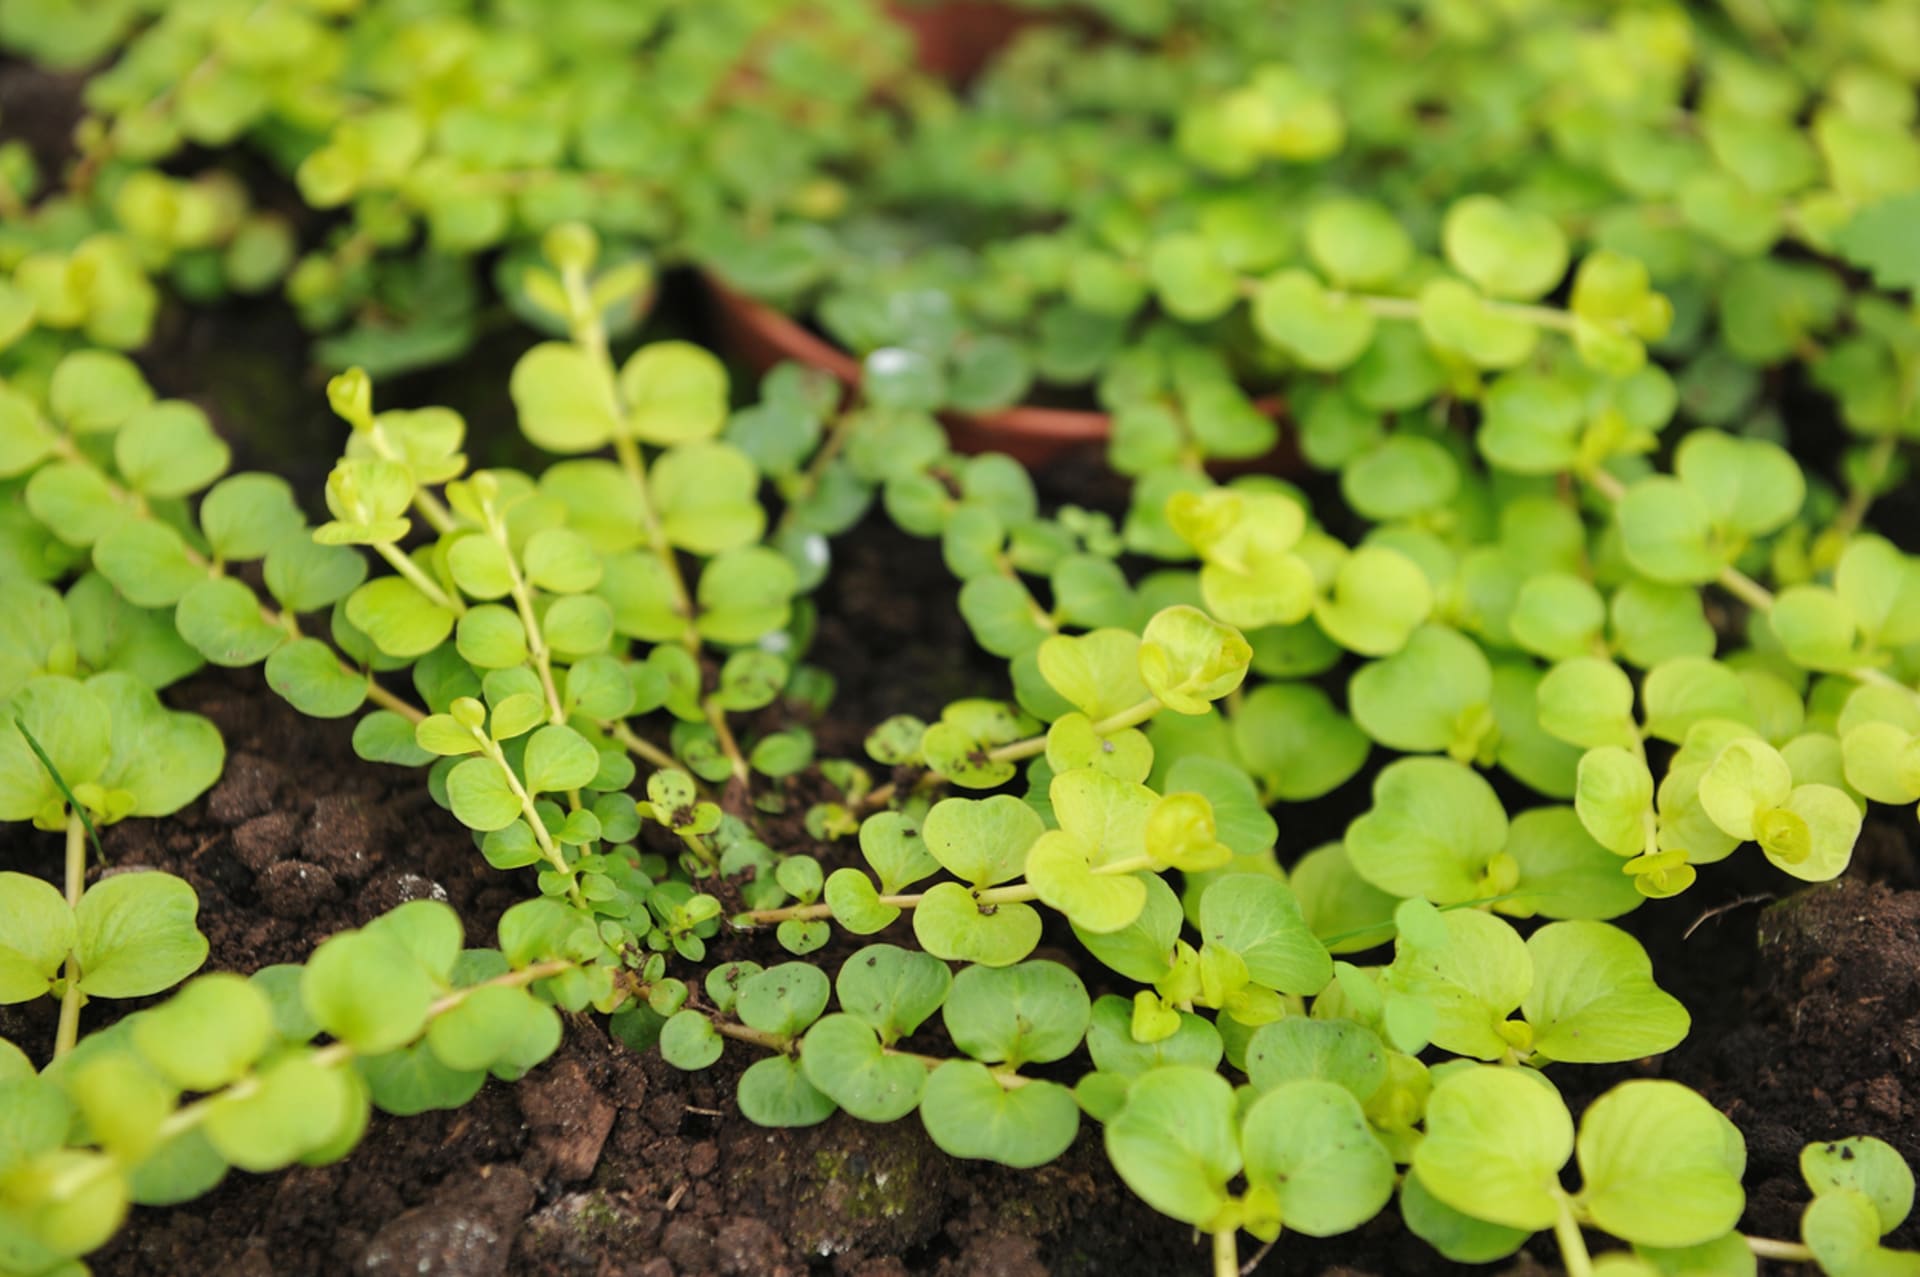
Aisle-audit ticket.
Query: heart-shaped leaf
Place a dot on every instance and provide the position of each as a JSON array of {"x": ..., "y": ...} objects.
[{"x": 844, "y": 1060}]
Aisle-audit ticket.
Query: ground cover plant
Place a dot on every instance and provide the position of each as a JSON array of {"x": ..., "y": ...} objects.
[{"x": 1564, "y": 601}]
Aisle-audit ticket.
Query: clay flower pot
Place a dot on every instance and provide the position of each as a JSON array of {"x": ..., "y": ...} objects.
[
  {"x": 955, "y": 38},
  {"x": 762, "y": 336}
]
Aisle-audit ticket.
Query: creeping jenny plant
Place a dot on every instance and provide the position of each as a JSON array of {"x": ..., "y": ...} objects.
[{"x": 1603, "y": 629}]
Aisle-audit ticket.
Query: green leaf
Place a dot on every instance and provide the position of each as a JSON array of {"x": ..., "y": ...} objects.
[
  {"x": 1879, "y": 239},
  {"x": 1457, "y": 319},
  {"x": 1660, "y": 1166},
  {"x": 1588, "y": 702},
  {"x": 311, "y": 678},
  {"x": 1747, "y": 779},
  {"x": 982, "y": 841},
  {"x": 1748, "y": 486},
  {"x": 1474, "y": 979},
  {"x": 1175, "y": 1143},
  {"x": 1435, "y": 831},
  {"x": 304, "y": 576},
  {"x": 1496, "y": 1140},
  {"x": 93, "y": 391},
  {"x": 148, "y": 562},
  {"x": 1881, "y": 587},
  {"x": 367, "y": 989},
  {"x": 1141, "y": 950},
  {"x": 775, "y": 1092},
  {"x": 1309, "y": 1143},
  {"x": 36, "y": 934},
  {"x": 168, "y": 449},
  {"x": 1433, "y": 695},
  {"x": 1256, "y": 917},
  {"x": 1348, "y": 1055},
  {"x": 1530, "y": 423},
  {"x": 1563, "y": 872},
  {"x": 1294, "y": 311},
  {"x": 480, "y": 795},
  {"x": 783, "y": 999},
  {"x": 1666, "y": 532},
  {"x": 1347, "y": 912},
  {"x": 1189, "y": 278},
  {"x": 207, "y": 1035},
  {"x": 951, "y": 925},
  {"x": 892, "y": 989},
  {"x": 1029, "y": 1013},
  {"x": 1188, "y": 660},
  {"x": 429, "y": 930},
  {"x": 744, "y": 595},
  {"x": 559, "y": 759},
  {"x": 1841, "y": 1228},
  {"x": 1510, "y": 252},
  {"x": 296, "y": 1105},
  {"x": 843, "y": 1059},
  {"x": 73, "y": 726},
  {"x": 245, "y": 515},
  {"x": 1098, "y": 673},
  {"x": 1379, "y": 598},
  {"x": 399, "y": 619},
  {"x": 1867, "y": 1165},
  {"x": 968, "y": 1114},
  {"x": 563, "y": 400},
  {"x": 221, "y": 618},
  {"x": 413, "y": 1081},
  {"x": 1358, "y": 243},
  {"x": 1114, "y": 1049},
  {"x": 1594, "y": 1000},
  {"x": 706, "y": 495},
  {"x": 492, "y": 1026},
  {"x": 136, "y": 935},
  {"x": 1459, "y": 1237},
  {"x": 892, "y": 845},
  {"x": 674, "y": 391}
]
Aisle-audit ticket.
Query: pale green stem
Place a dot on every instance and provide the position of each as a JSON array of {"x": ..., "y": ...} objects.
[
  {"x": 590, "y": 334},
  {"x": 1013, "y": 893},
  {"x": 523, "y": 603},
  {"x": 1009, "y": 1079},
  {"x": 1860, "y": 500},
  {"x": 1573, "y": 1247},
  {"x": 1226, "y": 1253},
  {"x": 420, "y": 581},
  {"x": 1749, "y": 591},
  {"x": 1034, "y": 746},
  {"x": 836, "y": 440},
  {"x": 1786, "y": 1252},
  {"x": 68, "y": 1031},
  {"x": 492, "y": 749},
  {"x": 642, "y": 748},
  {"x": 717, "y": 719}
]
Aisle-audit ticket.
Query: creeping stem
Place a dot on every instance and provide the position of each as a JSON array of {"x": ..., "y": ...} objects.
[
  {"x": 1749, "y": 591},
  {"x": 1573, "y": 1246},
  {"x": 723, "y": 734},
  {"x": 1226, "y": 1252},
  {"x": 590, "y": 334},
  {"x": 68, "y": 1032},
  {"x": 1787, "y": 1252},
  {"x": 1008, "y": 1078},
  {"x": 1012, "y": 893},
  {"x": 1034, "y": 746}
]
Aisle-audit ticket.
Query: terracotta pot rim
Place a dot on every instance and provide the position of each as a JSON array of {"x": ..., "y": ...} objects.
[{"x": 796, "y": 341}]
